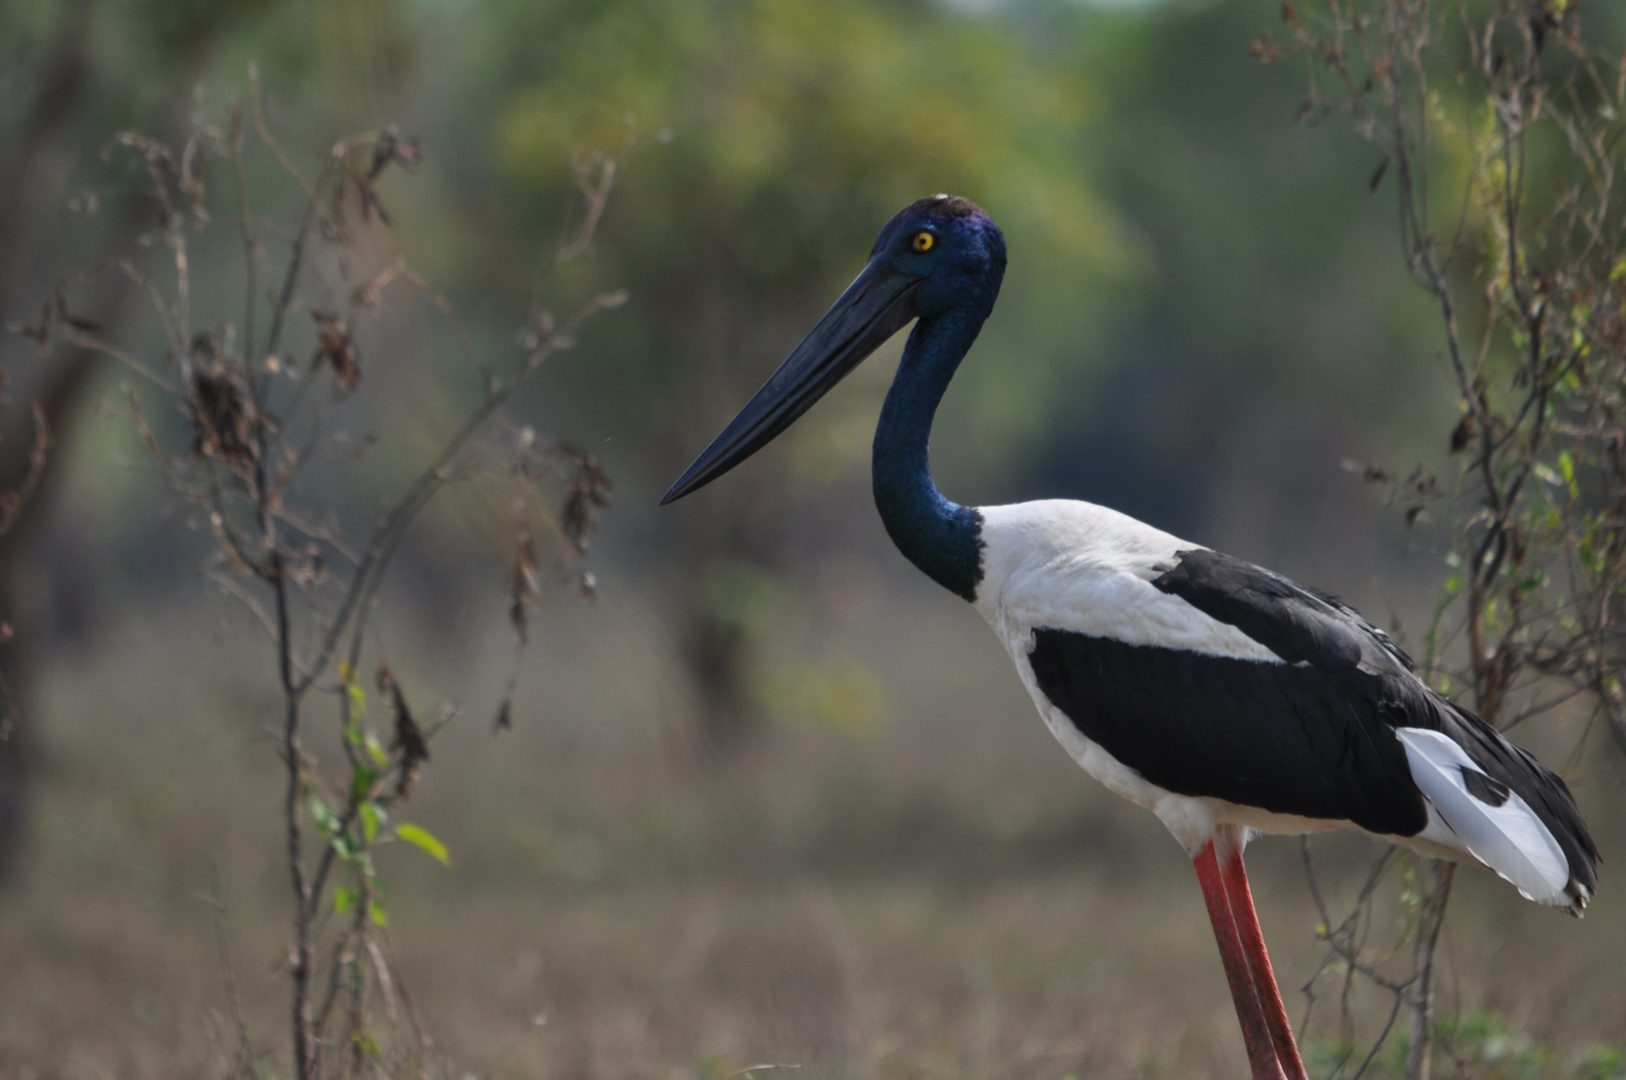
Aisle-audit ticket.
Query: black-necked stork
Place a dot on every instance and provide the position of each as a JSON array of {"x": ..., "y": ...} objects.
[{"x": 1223, "y": 697}]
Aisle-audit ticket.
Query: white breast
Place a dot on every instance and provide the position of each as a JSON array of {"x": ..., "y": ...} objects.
[{"x": 1076, "y": 566}]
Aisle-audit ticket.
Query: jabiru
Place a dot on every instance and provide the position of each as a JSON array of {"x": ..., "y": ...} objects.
[{"x": 1223, "y": 697}]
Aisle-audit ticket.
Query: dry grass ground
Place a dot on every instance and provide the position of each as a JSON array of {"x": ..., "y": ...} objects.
[{"x": 944, "y": 898}]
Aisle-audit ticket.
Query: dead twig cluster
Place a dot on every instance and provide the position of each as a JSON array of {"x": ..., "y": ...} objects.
[
  {"x": 1501, "y": 126},
  {"x": 254, "y": 421}
]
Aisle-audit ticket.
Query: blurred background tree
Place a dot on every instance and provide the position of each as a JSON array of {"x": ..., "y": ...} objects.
[
  {"x": 73, "y": 74},
  {"x": 787, "y": 130},
  {"x": 778, "y": 134}
]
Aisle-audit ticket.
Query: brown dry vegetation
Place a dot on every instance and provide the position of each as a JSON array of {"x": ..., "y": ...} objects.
[{"x": 946, "y": 898}]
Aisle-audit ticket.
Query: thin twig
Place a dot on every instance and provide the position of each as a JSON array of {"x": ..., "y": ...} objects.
[
  {"x": 245, "y": 1049},
  {"x": 13, "y": 502}
]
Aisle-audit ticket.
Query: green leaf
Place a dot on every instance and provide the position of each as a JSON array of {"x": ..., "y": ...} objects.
[
  {"x": 1534, "y": 581},
  {"x": 422, "y": 838},
  {"x": 376, "y": 750},
  {"x": 344, "y": 900},
  {"x": 373, "y": 815},
  {"x": 327, "y": 822},
  {"x": 1566, "y": 466},
  {"x": 361, "y": 782},
  {"x": 354, "y": 691},
  {"x": 375, "y": 912},
  {"x": 344, "y": 845}
]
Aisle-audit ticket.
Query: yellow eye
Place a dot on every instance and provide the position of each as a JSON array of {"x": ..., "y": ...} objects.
[{"x": 924, "y": 241}]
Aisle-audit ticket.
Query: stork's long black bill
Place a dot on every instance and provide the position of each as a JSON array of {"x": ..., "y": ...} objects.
[{"x": 875, "y": 306}]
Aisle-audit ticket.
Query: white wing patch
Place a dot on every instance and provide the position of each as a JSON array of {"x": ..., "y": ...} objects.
[
  {"x": 1076, "y": 566},
  {"x": 1510, "y": 839}
]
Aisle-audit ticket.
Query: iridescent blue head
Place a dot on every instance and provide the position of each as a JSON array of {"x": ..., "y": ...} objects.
[
  {"x": 953, "y": 248},
  {"x": 940, "y": 260}
]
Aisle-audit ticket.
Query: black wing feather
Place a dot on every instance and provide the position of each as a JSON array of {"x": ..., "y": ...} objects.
[
  {"x": 1287, "y": 738},
  {"x": 1313, "y": 737}
]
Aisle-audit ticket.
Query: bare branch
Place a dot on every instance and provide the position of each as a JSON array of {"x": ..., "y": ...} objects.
[
  {"x": 243, "y": 1062},
  {"x": 12, "y": 502}
]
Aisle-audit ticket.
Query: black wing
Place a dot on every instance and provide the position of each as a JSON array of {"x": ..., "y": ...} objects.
[
  {"x": 1313, "y": 737},
  {"x": 1293, "y": 621}
]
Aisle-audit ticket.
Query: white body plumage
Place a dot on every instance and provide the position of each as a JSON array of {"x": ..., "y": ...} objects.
[{"x": 1076, "y": 567}]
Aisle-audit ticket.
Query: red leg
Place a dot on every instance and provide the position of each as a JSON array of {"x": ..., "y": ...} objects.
[
  {"x": 1255, "y": 1030},
  {"x": 1264, "y": 979}
]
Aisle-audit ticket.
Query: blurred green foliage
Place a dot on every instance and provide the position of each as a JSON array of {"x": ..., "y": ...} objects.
[
  {"x": 1174, "y": 241},
  {"x": 781, "y": 134},
  {"x": 1171, "y": 233},
  {"x": 1203, "y": 317}
]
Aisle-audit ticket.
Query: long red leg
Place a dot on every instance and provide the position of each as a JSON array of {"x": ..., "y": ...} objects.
[
  {"x": 1255, "y": 1030},
  {"x": 1264, "y": 979}
]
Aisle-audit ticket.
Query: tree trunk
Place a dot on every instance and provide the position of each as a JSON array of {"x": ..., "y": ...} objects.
[{"x": 32, "y": 250}]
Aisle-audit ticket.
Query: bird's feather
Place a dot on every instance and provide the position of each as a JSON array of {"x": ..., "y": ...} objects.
[
  {"x": 1213, "y": 678},
  {"x": 1496, "y": 825}
]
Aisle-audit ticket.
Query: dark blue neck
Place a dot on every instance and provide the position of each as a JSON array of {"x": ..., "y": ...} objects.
[{"x": 941, "y": 537}]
